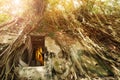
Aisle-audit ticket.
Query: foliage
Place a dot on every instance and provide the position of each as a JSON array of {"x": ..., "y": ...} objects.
[
  {"x": 95, "y": 24},
  {"x": 4, "y": 18},
  {"x": 24, "y": 15}
]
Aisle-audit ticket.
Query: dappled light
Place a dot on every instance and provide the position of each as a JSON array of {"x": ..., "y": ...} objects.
[
  {"x": 64, "y": 5},
  {"x": 59, "y": 39},
  {"x": 13, "y": 7},
  {"x": 93, "y": 26}
]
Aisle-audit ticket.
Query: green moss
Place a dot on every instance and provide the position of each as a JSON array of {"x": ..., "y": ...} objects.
[
  {"x": 4, "y": 17},
  {"x": 51, "y": 34}
]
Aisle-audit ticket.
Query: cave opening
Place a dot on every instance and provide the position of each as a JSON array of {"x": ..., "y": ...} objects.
[{"x": 38, "y": 50}]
